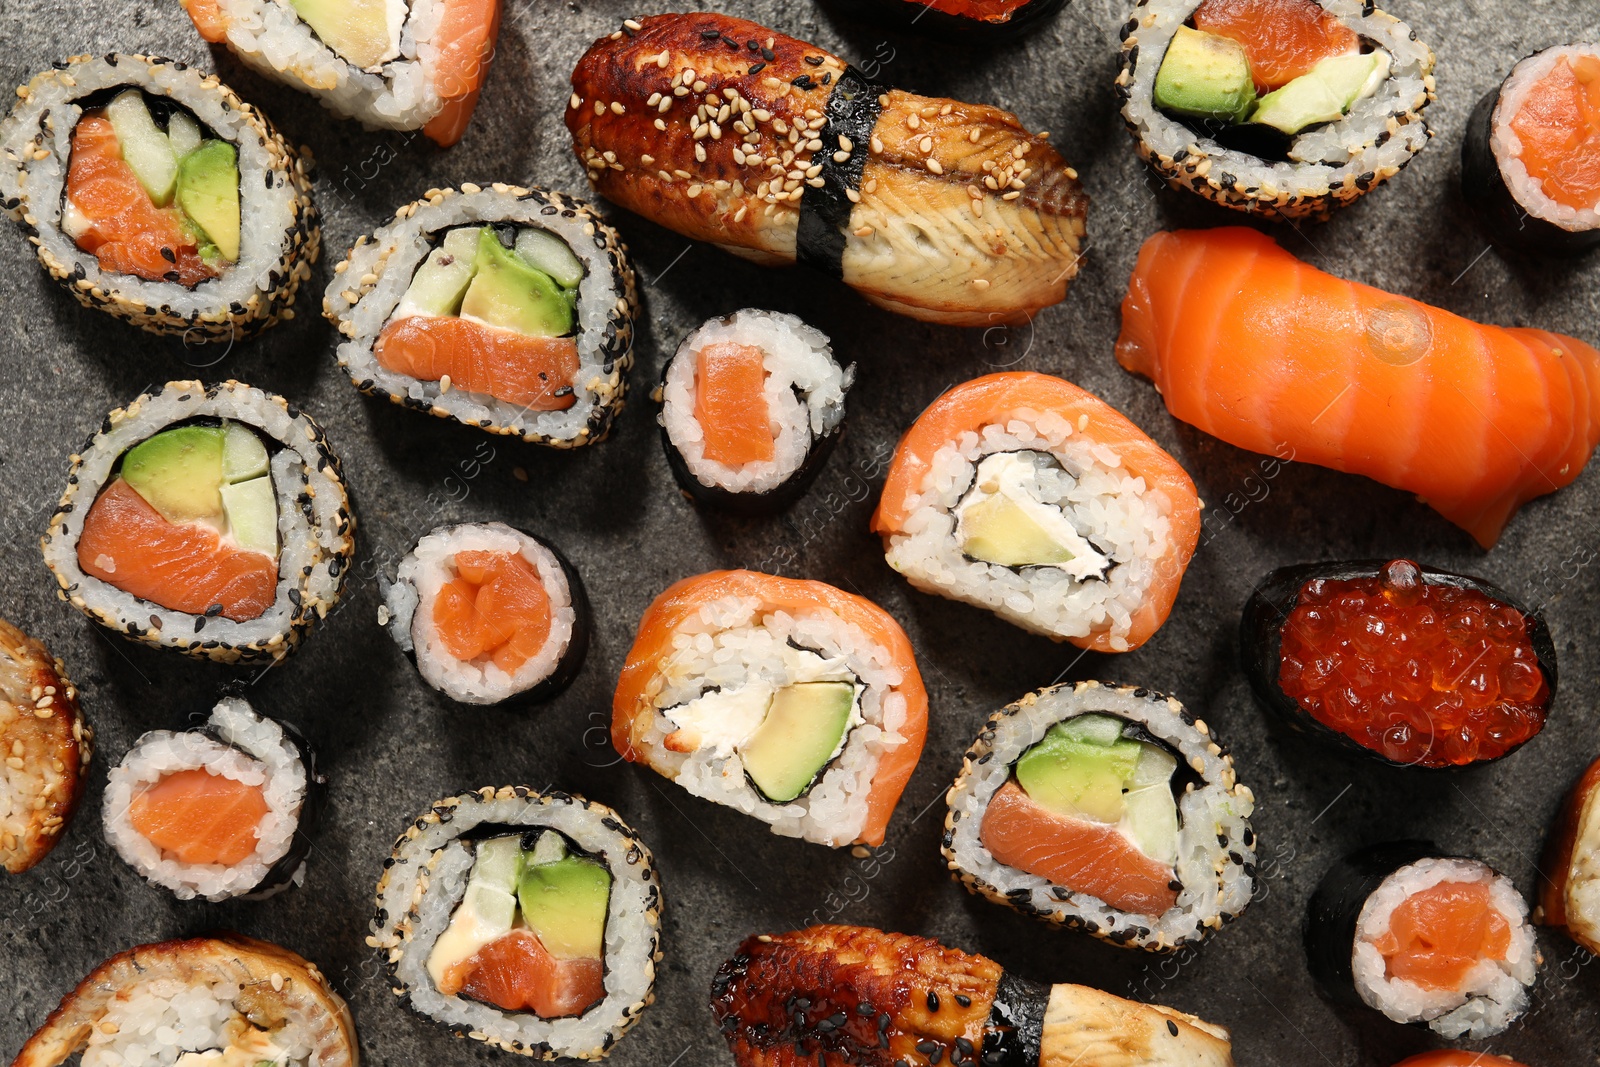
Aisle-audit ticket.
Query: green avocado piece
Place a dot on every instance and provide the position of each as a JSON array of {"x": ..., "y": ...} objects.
[
  {"x": 1205, "y": 75},
  {"x": 1323, "y": 94},
  {"x": 179, "y": 472},
  {"x": 243, "y": 455},
  {"x": 565, "y": 904},
  {"x": 252, "y": 511},
  {"x": 356, "y": 29},
  {"x": 1081, "y": 778},
  {"x": 544, "y": 251},
  {"x": 184, "y": 133},
  {"x": 798, "y": 737},
  {"x": 999, "y": 531},
  {"x": 508, "y": 293},
  {"x": 442, "y": 280},
  {"x": 208, "y": 192},
  {"x": 144, "y": 147}
]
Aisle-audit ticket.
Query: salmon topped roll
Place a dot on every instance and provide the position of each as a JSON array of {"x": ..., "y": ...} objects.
[
  {"x": 1247, "y": 343},
  {"x": 392, "y": 64},
  {"x": 1107, "y": 809},
  {"x": 1023, "y": 494},
  {"x": 775, "y": 150},
  {"x": 152, "y": 191},
  {"x": 1569, "y": 898},
  {"x": 789, "y": 700},
  {"x": 213, "y": 520},
  {"x": 47, "y": 746},
  {"x": 504, "y": 308}
]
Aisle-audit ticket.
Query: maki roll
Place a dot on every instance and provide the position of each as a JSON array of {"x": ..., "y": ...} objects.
[
  {"x": 207, "y": 1000},
  {"x": 1454, "y": 1058},
  {"x": 393, "y": 64},
  {"x": 1025, "y": 495},
  {"x": 153, "y": 192},
  {"x": 1412, "y": 666},
  {"x": 851, "y": 996},
  {"x": 530, "y": 921},
  {"x": 1282, "y": 108},
  {"x": 772, "y": 149},
  {"x": 1424, "y": 939},
  {"x": 1570, "y": 888},
  {"x": 1530, "y": 161},
  {"x": 957, "y": 21},
  {"x": 489, "y": 614},
  {"x": 46, "y": 745},
  {"x": 504, "y": 308},
  {"x": 210, "y": 519},
  {"x": 222, "y": 811},
  {"x": 791, "y": 701},
  {"x": 1108, "y": 809},
  {"x": 751, "y": 406}
]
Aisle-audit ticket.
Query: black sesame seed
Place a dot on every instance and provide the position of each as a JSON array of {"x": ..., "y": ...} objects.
[
  {"x": 933, "y": 1001},
  {"x": 964, "y": 1045},
  {"x": 815, "y": 61},
  {"x": 199, "y": 623},
  {"x": 803, "y": 82},
  {"x": 214, "y": 610},
  {"x": 758, "y": 68},
  {"x": 864, "y": 1008},
  {"x": 169, "y": 255},
  {"x": 768, "y": 54},
  {"x": 173, "y": 276},
  {"x": 730, "y": 42},
  {"x": 827, "y": 79},
  {"x": 754, "y": 46},
  {"x": 927, "y": 1048},
  {"x": 963, "y": 1000},
  {"x": 1172, "y": 1028},
  {"x": 155, "y": 622}
]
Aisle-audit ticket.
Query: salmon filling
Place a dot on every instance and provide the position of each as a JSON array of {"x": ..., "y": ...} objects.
[
  {"x": 1283, "y": 39},
  {"x": 496, "y": 606},
  {"x": 196, "y": 816},
  {"x": 983, "y": 10},
  {"x": 516, "y": 973},
  {"x": 1436, "y": 936},
  {"x": 730, "y": 404},
  {"x": 535, "y": 372},
  {"x": 1559, "y": 128}
]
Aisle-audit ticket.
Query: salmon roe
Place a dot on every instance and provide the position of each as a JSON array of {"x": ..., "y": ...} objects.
[{"x": 1424, "y": 674}]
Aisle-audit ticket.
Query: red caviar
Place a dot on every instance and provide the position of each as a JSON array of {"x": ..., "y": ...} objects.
[{"x": 1425, "y": 674}]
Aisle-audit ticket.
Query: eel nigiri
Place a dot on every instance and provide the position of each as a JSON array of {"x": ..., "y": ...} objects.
[
  {"x": 729, "y": 132},
  {"x": 1569, "y": 899},
  {"x": 851, "y": 996},
  {"x": 1251, "y": 345}
]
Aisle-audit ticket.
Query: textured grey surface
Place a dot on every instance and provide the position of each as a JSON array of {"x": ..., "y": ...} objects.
[{"x": 390, "y": 749}]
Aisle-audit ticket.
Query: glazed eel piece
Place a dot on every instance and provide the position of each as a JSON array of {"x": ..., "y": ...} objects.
[
  {"x": 831, "y": 996},
  {"x": 729, "y": 132}
]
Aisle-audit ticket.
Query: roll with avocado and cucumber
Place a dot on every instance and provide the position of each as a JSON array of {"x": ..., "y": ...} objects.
[
  {"x": 152, "y": 191},
  {"x": 527, "y": 920},
  {"x": 1283, "y": 108},
  {"x": 504, "y": 308},
  {"x": 1104, "y": 808},
  {"x": 209, "y": 519}
]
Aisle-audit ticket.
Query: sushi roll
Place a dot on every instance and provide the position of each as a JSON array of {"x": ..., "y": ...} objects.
[
  {"x": 150, "y": 190},
  {"x": 789, "y": 700},
  {"x": 751, "y": 406},
  {"x": 489, "y": 614},
  {"x": 221, "y": 811},
  {"x": 851, "y": 996},
  {"x": 776, "y": 151},
  {"x": 957, "y": 21},
  {"x": 1107, "y": 809},
  {"x": 1362, "y": 376},
  {"x": 47, "y": 746},
  {"x": 504, "y": 308},
  {"x": 1022, "y": 494},
  {"x": 209, "y": 519},
  {"x": 1283, "y": 108},
  {"x": 1527, "y": 161},
  {"x": 1570, "y": 888},
  {"x": 1412, "y": 666},
  {"x": 530, "y": 921},
  {"x": 392, "y": 64},
  {"x": 1454, "y": 1058},
  {"x": 224, "y": 999},
  {"x": 1425, "y": 939}
]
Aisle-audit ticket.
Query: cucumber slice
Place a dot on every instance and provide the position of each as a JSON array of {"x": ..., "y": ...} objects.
[
  {"x": 1093, "y": 729},
  {"x": 252, "y": 510},
  {"x": 184, "y": 133},
  {"x": 1150, "y": 816},
  {"x": 144, "y": 147},
  {"x": 442, "y": 280},
  {"x": 550, "y": 848},
  {"x": 544, "y": 251},
  {"x": 243, "y": 455}
]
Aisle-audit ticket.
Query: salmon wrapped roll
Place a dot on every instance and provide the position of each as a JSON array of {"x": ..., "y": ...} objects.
[
  {"x": 789, "y": 700},
  {"x": 1253, "y": 346},
  {"x": 766, "y": 146},
  {"x": 1455, "y": 1058},
  {"x": 233, "y": 999},
  {"x": 47, "y": 745},
  {"x": 1570, "y": 896}
]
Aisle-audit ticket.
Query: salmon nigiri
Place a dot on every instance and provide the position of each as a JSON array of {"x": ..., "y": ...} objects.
[
  {"x": 1457, "y": 1058},
  {"x": 1253, "y": 346}
]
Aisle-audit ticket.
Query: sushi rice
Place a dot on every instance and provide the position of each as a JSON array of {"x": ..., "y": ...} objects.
[{"x": 1507, "y": 147}]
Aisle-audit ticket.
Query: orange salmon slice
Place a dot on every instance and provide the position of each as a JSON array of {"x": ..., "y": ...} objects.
[
  {"x": 465, "y": 39},
  {"x": 495, "y": 606},
  {"x": 517, "y": 973},
  {"x": 199, "y": 817},
  {"x": 730, "y": 403},
  {"x": 535, "y": 372},
  {"x": 1559, "y": 127},
  {"x": 1436, "y": 936},
  {"x": 1283, "y": 38}
]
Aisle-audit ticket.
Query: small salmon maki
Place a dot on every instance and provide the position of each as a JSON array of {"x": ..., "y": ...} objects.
[
  {"x": 1457, "y": 1058},
  {"x": 1570, "y": 889},
  {"x": 1253, "y": 346},
  {"x": 47, "y": 744},
  {"x": 795, "y": 702}
]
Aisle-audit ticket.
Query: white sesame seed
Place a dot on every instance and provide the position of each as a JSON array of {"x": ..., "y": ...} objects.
[
  {"x": 599, "y": 108},
  {"x": 763, "y": 115},
  {"x": 864, "y": 231},
  {"x": 700, "y": 153},
  {"x": 913, "y": 122},
  {"x": 632, "y": 25},
  {"x": 772, "y": 83},
  {"x": 661, "y": 60},
  {"x": 685, "y": 175},
  {"x": 853, "y": 196},
  {"x": 877, "y": 145},
  {"x": 974, "y": 135},
  {"x": 814, "y": 145},
  {"x": 1072, "y": 173},
  {"x": 694, "y": 191},
  {"x": 738, "y": 216},
  {"x": 664, "y": 176},
  {"x": 871, "y": 187},
  {"x": 841, "y": 157},
  {"x": 933, "y": 165},
  {"x": 576, "y": 101},
  {"x": 991, "y": 183},
  {"x": 665, "y": 104},
  {"x": 647, "y": 160},
  {"x": 680, "y": 90},
  {"x": 814, "y": 170},
  {"x": 980, "y": 284},
  {"x": 926, "y": 144},
  {"x": 662, "y": 126},
  {"x": 655, "y": 98},
  {"x": 1011, "y": 195},
  {"x": 699, "y": 86},
  {"x": 688, "y": 75}
]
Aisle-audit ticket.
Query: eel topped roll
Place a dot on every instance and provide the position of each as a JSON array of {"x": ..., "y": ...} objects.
[
  {"x": 206, "y": 1000},
  {"x": 47, "y": 746},
  {"x": 1107, "y": 809},
  {"x": 789, "y": 700},
  {"x": 1530, "y": 162},
  {"x": 504, "y": 308},
  {"x": 1282, "y": 108},
  {"x": 1023, "y": 494},
  {"x": 1569, "y": 898},
  {"x": 210, "y": 519},
  {"x": 775, "y": 150},
  {"x": 530, "y": 921},
  {"x": 150, "y": 190}
]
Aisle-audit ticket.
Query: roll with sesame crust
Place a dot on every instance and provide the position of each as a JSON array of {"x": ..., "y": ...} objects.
[{"x": 46, "y": 747}]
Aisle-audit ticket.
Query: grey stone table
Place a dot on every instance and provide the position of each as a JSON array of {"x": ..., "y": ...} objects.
[{"x": 390, "y": 749}]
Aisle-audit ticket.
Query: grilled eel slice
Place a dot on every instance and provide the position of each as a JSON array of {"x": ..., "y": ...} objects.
[
  {"x": 831, "y": 996},
  {"x": 775, "y": 150},
  {"x": 47, "y": 745}
]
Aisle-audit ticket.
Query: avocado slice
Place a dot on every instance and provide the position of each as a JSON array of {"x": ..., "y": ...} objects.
[
  {"x": 145, "y": 149},
  {"x": 184, "y": 133},
  {"x": 543, "y": 250},
  {"x": 565, "y": 904},
  {"x": 997, "y": 530},
  {"x": 800, "y": 734},
  {"x": 243, "y": 455},
  {"x": 1151, "y": 812},
  {"x": 252, "y": 511},
  {"x": 442, "y": 280},
  {"x": 356, "y": 29},
  {"x": 1082, "y": 778},
  {"x": 208, "y": 192},
  {"x": 179, "y": 472},
  {"x": 1324, "y": 94},
  {"x": 507, "y": 293},
  {"x": 1205, "y": 75}
]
